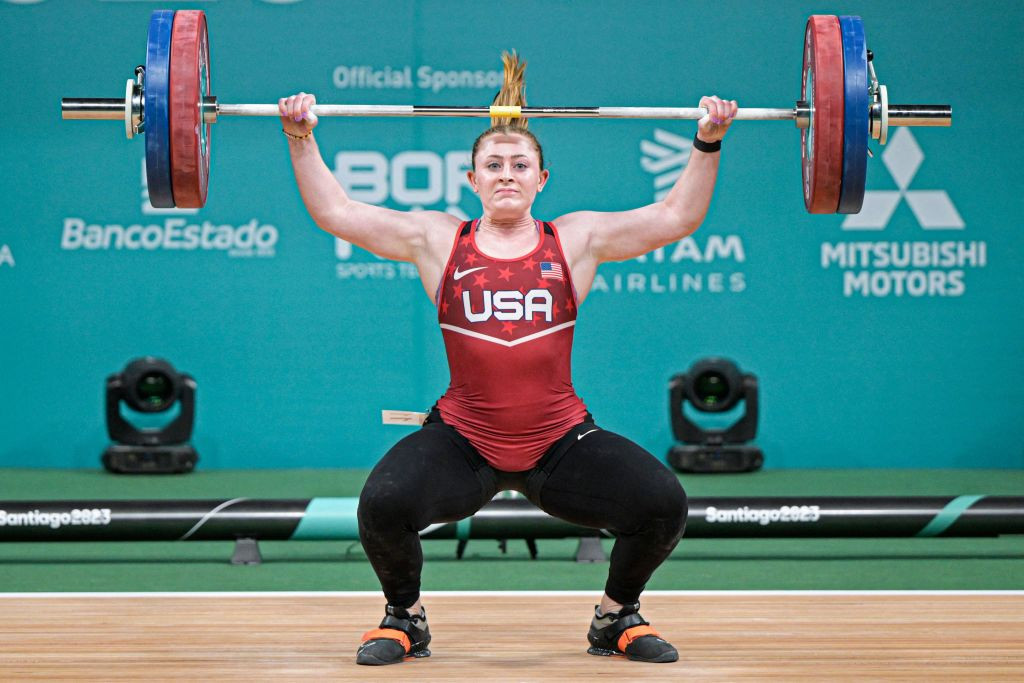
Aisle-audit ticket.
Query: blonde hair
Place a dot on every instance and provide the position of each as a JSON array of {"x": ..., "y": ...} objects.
[
  {"x": 512, "y": 94},
  {"x": 513, "y": 90}
]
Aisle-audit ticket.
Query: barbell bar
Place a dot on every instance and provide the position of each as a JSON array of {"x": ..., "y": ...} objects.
[
  {"x": 841, "y": 107},
  {"x": 112, "y": 109}
]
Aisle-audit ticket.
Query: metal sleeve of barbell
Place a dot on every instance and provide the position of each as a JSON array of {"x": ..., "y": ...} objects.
[
  {"x": 335, "y": 519},
  {"x": 920, "y": 115},
  {"x": 92, "y": 109}
]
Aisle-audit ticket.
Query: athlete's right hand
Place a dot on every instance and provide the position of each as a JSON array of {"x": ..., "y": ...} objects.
[{"x": 296, "y": 115}]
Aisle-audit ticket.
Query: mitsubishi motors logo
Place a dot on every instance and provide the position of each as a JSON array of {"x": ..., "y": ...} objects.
[
  {"x": 917, "y": 267},
  {"x": 933, "y": 209}
]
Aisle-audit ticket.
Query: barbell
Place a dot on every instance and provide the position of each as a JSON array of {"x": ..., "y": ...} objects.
[{"x": 841, "y": 107}]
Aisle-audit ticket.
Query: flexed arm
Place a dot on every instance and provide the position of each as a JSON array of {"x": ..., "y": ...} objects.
[
  {"x": 398, "y": 235},
  {"x": 616, "y": 236}
]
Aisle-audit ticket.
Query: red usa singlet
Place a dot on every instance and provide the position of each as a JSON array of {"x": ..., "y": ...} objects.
[{"x": 508, "y": 328}]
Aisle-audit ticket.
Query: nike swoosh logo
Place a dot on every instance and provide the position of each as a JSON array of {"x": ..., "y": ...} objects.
[
  {"x": 459, "y": 275},
  {"x": 580, "y": 436}
]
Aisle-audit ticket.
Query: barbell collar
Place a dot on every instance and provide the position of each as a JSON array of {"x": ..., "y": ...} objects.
[
  {"x": 803, "y": 114},
  {"x": 210, "y": 109}
]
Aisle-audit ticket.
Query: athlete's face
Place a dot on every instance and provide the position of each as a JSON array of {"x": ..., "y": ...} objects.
[{"x": 507, "y": 176}]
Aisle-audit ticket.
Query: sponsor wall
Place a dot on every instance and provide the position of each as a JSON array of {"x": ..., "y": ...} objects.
[{"x": 891, "y": 338}]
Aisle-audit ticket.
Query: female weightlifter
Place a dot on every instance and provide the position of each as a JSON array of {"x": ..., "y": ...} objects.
[{"x": 507, "y": 287}]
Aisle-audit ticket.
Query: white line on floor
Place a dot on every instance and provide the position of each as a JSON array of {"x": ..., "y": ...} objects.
[{"x": 476, "y": 594}]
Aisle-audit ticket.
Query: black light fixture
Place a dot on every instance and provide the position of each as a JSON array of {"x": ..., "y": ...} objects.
[
  {"x": 150, "y": 385},
  {"x": 714, "y": 385}
]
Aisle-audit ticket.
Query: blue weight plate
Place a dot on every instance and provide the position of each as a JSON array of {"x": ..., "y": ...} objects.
[
  {"x": 855, "y": 128},
  {"x": 158, "y": 151}
]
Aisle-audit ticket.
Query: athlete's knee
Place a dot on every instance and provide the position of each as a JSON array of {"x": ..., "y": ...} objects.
[
  {"x": 663, "y": 511},
  {"x": 385, "y": 503}
]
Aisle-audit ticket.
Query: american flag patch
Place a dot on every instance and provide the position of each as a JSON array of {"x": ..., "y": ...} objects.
[{"x": 551, "y": 270}]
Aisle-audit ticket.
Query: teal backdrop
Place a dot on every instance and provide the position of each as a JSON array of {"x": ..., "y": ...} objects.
[{"x": 894, "y": 338}]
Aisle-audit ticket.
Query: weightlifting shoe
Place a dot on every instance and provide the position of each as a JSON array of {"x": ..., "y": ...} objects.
[
  {"x": 627, "y": 633},
  {"x": 401, "y": 635}
]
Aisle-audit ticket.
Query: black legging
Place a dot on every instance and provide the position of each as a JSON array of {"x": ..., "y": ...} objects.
[{"x": 597, "y": 479}]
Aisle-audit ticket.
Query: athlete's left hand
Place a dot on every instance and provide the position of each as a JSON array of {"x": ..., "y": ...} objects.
[{"x": 716, "y": 122}]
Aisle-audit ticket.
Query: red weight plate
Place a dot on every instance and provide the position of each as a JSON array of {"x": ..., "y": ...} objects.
[
  {"x": 823, "y": 88},
  {"x": 190, "y": 83}
]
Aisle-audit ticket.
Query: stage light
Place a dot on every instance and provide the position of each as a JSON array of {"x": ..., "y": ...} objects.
[
  {"x": 150, "y": 386},
  {"x": 714, "y": 385}
]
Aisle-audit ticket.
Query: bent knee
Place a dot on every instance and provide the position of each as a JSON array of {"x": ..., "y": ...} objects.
[
  {"x": 386, "y": 505},
  {"x": 664, "y": 497},
  {"x": 664, "y": 511}
]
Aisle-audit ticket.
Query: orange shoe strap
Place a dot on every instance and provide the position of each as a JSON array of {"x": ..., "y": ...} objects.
[
  {"x": 634, "y": 632},
  {"x": 390, "y": 633}
]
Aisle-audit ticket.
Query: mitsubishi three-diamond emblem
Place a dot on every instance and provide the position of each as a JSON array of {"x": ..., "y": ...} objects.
[{"x": 933, "y": 209}]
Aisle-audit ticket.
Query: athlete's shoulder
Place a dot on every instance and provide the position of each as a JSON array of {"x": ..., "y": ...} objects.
[
  {"x": 573, "y": 234},
  {"x": 443, "y": 229},
  {"x": 577, "y": 220}
]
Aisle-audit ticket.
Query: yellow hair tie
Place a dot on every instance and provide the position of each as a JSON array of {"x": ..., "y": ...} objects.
[{"x": 514, "y": 112}]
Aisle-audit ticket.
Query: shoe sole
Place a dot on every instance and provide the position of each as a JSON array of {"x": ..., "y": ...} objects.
[
  {"x": 368, "y": 659},
  {"x": 664, "y": 658}
]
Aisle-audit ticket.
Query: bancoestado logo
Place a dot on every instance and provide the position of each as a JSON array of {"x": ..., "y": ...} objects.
[
  {"x": 172, "y": 230},
  {"x": 763, "y": 516},
  {"x": 914, "y": 268},
  {"x": 55, "y": 520},
  {"x": 407, "y": 78}
]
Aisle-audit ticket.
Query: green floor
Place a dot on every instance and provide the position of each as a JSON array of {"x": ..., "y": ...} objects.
[{"x": 698, "y": 564}]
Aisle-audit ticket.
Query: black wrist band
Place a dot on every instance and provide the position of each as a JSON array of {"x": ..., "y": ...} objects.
[{"x": 706, "y": 147}]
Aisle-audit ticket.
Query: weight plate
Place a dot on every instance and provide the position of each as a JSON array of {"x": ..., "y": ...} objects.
[
  {"x": 158, "y": 153},
  {"x": 823, "y": 89},
  {"x": 190, "y": 83},
  {"x": 856, "y": 117}
]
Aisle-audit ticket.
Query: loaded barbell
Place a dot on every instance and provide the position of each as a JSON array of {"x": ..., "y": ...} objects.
[{"x": 841, "y": 107}]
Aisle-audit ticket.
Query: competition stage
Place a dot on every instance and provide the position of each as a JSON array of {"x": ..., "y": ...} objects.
[{"x": 866, "y": 605}]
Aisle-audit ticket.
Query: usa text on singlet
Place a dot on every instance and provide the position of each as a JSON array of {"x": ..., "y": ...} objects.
[{"x": 508, "y": 327}]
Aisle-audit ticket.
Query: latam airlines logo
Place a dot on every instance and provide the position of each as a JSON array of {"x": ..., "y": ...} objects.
[
  {"x": 665, "y": 157},
  {"x": 177, "y": 231},
  {"x": 909, "y": 268},
  {"x": 704, "y": 263}
]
